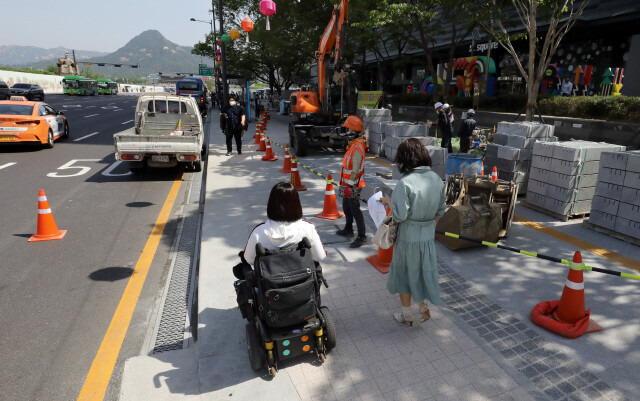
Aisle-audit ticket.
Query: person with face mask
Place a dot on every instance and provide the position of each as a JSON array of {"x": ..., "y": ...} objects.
[{"x": 232, "y": 121}]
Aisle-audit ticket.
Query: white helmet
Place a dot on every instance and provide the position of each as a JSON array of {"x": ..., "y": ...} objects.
[
  {"x": 446, "y": 106},
  {"x": 437, "y": 105}
]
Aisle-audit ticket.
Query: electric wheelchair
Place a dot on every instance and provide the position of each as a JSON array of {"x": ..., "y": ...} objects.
[{"x": 280, "y": 298}]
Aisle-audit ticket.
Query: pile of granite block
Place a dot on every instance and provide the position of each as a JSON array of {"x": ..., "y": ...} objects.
[
  {"x": 563, "y": 175},
  {"x": 512, "y": 150},
  {"x": 372, "y": 120},
  {"x": 438, "y": 163},
  {"x": 397, "y": 132},
  {"x": 616, "y": 204}
]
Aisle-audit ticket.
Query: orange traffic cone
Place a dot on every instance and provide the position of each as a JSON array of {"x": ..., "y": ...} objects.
[
  {"x": 295, "y": 176},
  {"x": 494, "y": 174},
  {"x": 567, "y": 317},
  {"x": 330, "y": 209},
  {"x": 270, "y": 156},
  {"x": 482, "y": 169},
  {"x": 263, "y": 146},
  {"x": 382, "y": 260},
  {"x": 287, "y": 161},
  {"x": 257, "y": 136},
  {"x": 47, "y": 228}
]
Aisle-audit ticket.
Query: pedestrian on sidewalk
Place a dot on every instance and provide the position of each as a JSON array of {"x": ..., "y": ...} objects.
[
  {"x": 417, "y": 202},
  {"x": 284, "y": 226},
  {"x": 232, "y": 121},
  {"x": 352, "y": 180},
  {"x": 442, "y": 122},
  {"x": 567, "y": 87},
  {"x": 466, "y": 131}
]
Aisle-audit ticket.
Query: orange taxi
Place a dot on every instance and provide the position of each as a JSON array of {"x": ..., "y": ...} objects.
[{"x": 22, "y": 121}]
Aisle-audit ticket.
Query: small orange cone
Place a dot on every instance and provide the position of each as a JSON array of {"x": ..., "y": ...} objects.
[
  {"x": 270, "y": 156},
  {"x": 567, "y": 317},
  {"x": 47, "y": 228},
  {"x": 482, "y": 169},
  {"x": 263, "y": 146},
  {"x": 330, "y": 209},
  {"x": 257, "y": 136},
  {"x": 382, "y": 260},
  {"x": 287, "y": 161},
  {"x": 494, "y": 174},
  {"x": 295, "y": 176}
]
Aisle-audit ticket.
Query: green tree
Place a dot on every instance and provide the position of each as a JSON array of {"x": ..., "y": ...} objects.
[{"x": 503, "y": 27}]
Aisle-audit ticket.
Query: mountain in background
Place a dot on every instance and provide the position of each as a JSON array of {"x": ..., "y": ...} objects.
[
  {"x": 150, "y": 50},
  {"x": 153, "y": 53},
  {"x": 31, "y": 55}
]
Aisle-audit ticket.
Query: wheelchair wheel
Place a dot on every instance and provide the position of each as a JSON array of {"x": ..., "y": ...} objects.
[
  {"x": 330, "y": 328},
  {"x": 254, "y": 346}
]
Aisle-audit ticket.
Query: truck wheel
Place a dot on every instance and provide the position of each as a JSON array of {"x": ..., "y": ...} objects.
[
  {"x": 197, "y": 166},
  {"x": 301, "y": 143}
]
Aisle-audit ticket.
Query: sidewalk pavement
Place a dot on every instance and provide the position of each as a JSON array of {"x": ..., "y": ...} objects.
[{"x": 471, "y": 349}]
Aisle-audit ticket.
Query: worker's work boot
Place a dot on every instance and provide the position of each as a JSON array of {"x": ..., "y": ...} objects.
[
  {"x": 345, "y": 232},
  {"x": 358, "y": 242}
]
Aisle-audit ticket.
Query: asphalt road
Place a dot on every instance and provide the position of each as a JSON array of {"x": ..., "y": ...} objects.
[{"x": 58, "y": 297}]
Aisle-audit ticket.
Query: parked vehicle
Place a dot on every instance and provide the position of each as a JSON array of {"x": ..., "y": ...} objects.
[
  {"x": 30, "y": 91},
  {"x": 23, "y": 121},
  {"x": 167, "y": 132},
  {"x": 5, "y": 92},
  {"x": 79, "y": 85},
  {"x": 196, "y": 88}
]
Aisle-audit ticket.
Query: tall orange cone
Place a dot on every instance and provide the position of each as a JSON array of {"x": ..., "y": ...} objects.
[
  {"x": 270, "y": 156},
  {"x": 494, "y": 174},
  {"x": 330, "y": 209},
  {"x": 482, "y": 169},
  {"x": 263, "y": 146},
  {"x": 295, "y": 176},
  {"x": 567, "y": 317},
  {"x": 382, "y": 260},
  {"x": 47, "y": 228},
  {"x": 287, "y": 161},
  {"x": 257, "y": 135}
]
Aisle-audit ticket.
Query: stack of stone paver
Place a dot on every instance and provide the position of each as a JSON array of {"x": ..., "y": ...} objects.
[
  {"x": 438, "y": 160},
  {"x": 512, "y": 149},
  {"x": 616, "y": 204},
  {"x": 397, "y": 132},
  {"x": 563, "y": 175},
  {"x": 372, "y": 120}
]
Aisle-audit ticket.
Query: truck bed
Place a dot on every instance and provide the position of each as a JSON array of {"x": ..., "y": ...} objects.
[{"x": 131, "y": 143}]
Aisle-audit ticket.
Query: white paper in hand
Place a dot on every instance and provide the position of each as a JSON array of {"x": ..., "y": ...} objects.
[{"x": 376, "y": 209}]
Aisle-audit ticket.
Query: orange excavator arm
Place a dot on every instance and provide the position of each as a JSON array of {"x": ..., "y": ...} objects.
[{"x": 334, "y": 35}]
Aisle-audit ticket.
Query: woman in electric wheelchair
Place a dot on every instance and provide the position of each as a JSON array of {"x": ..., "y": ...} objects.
[{"x": 280, "y": 295}]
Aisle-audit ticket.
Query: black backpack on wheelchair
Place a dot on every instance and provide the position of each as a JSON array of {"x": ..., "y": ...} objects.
[{"x": 280, "y": 298}]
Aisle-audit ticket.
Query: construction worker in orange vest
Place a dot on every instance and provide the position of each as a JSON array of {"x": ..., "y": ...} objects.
[{"x": 352, "y": 180}]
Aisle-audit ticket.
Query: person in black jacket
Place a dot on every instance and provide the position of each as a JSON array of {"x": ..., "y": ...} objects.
[
  {"x": 232, "y": 122},
  {"x": 444, "y": 125},
  {"x": 466, "y": 131}
]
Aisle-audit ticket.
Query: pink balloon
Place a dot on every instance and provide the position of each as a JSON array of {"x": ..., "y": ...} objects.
[{"x": 267, "y": 7}]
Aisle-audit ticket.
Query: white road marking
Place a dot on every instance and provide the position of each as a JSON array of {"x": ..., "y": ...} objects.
[
  {"x": 127, "y": 122},
  {"x": 86, "y": 136},
  {"x": 67, "y": 166},
  {"x": 91, "y": 115},
  {"x": 107, "y": 172},
  {"x": 6, "y": 165}
]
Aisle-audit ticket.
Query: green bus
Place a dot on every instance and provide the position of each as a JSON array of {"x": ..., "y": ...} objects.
[
  {"x": 107, "y": 86},
  {"x": 79, "y": 85}
]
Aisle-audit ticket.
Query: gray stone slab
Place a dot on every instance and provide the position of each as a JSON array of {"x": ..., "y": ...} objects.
[
  {"x": 369, "y": 113},
  {"x": 627, "y": 227},
  {"x": 629, "y": 211},
  {"x": 611, "y": 175},
  {"x": 569, "y": 195},
  {"x": 602, "y": 219},
  {"x": 492, "y": 150},
  {"x": 544, "y": 148},
  {"x": 632, "y": 179},
  {"x": 605, "y": 205},
  {"x": 512, "y": 165},
  {"x": 575, "y": 167},
  {"x": 630, "y": 195},
  {"x": 403, "y": 128},
  {"x": 543, "y": 162},
  {"x": 567, "y": 208},
  {"x": 633, "y": 161},
  {"x": 518, "y": 177},
  {"x": 617, "y": 160},
  {"x": 539, "y": 174},
  {"x": 508, "y": 153},
  {"x": 538, "y": 187},
  {"x": 582, "y": 150},
  {"x": 438, "y": 155},
  {"x": 535, "y": 198},
  {"x": 501, "y": 139},
  {"x": 572, "y": 181},
  {"x": 608, "y": 190}
]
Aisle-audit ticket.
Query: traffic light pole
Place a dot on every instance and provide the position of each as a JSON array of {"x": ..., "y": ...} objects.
[{"x": 225, "y": 87}]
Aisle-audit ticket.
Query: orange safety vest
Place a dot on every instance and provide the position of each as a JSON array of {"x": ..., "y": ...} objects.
[{"x": 357, "y": 145}]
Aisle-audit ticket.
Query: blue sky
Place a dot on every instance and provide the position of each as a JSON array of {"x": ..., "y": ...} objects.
[{"x": 100, "y": 25}]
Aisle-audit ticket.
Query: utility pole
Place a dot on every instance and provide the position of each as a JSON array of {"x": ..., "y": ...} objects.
[{"x": 225, "y": 87}]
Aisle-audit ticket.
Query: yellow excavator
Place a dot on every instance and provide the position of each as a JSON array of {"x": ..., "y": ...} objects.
[{"x": 316, "y": 112}]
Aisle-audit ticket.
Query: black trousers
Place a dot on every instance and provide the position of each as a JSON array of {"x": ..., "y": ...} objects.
[
  {"x": 230, "y": 135},
  {"x": 351, "y": 208},
  {"x": 446, "y": 142},
  {"x": 465, "y": 144}
]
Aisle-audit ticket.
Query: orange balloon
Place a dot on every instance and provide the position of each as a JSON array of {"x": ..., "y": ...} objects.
[
  {"x": 247, "y": 25},
  {"x": 234, "y": 33}
]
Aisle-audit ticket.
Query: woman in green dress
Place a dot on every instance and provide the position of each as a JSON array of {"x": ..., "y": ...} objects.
[{"x": 417, "y": 202}]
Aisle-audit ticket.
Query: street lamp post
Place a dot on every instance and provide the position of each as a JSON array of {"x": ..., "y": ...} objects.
[{"x": 225, "y": 88}]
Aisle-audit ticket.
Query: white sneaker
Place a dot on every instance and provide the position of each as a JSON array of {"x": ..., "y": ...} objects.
[{"x": 401, "y": 318}]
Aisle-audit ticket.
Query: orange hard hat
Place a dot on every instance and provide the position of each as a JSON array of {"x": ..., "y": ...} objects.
[{"x": 353, "y": 123}]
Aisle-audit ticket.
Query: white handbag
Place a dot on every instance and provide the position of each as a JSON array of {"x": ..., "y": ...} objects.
[{"x": 386, "y": 233}]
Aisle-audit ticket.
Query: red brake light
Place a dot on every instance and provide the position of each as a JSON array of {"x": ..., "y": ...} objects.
[
  {"x": 130, "y": 157},
  {"x": 32, "y": 122}
]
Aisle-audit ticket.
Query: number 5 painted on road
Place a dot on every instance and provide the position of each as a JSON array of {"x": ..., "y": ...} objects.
[{"x": 67, "y": 166}]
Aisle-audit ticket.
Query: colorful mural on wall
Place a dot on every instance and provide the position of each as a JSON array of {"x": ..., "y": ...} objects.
[{"x": 469, "y": 70}]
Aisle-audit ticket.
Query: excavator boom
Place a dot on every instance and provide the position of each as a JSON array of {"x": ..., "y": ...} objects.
[{"x": 334, "y": 35}]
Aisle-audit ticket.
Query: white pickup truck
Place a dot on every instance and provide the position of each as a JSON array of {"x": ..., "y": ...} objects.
[{"x": 167, "y": 131}]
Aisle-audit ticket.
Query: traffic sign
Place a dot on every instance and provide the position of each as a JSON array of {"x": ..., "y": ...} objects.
[{"x": 206, "y": 71}]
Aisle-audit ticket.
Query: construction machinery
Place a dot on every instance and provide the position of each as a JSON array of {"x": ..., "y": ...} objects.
[{"x": 316, "y": 112}]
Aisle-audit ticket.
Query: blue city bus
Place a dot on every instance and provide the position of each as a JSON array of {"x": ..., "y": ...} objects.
[{"x": 196, "y": 88}]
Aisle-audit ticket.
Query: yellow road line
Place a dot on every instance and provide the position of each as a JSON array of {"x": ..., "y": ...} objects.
[
  {"x": 587, "y": 246},
  {"x": 95, "y": 385}
]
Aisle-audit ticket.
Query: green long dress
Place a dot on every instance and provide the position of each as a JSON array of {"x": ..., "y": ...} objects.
[{"x": 417, "y": 199}]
